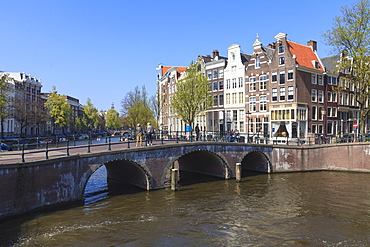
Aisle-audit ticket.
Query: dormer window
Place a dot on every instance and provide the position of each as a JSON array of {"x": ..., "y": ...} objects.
[
  {"x": 316, "y": 64},
  {"x": 281, "y": 49}
]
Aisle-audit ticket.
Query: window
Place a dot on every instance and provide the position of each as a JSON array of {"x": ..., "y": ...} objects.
[
  {"x": 314, "y": 128},
  {"x": 282, "y": 93},
  {"x": 290, "y": 75},
  {"x": 241, "y": 97},
  {"x": 263, "y": 82},
  {"x": 321, "y": 96},
  {"x": 314, "y": 112},
  {"x": 313, "y": 95},
  {"x": 233, "y": 68},
  {"x": 274, "y": 77},
  {"x": 252, "y": 104},
  {"x": 334, "y": 97},
  {"x": 234, "y": 82},
  {"x": 227, "y": 99},
  {"x": 329, "y": 112},
  {"x": 321, "y": 81},
  {"x": 221, "y": 85},
  {"x": 334, "y": 112},
  {"x": 228, "y": 84},
  {"x": 335, "y": 81},
  {"x": 258, "y": 62},
  {"x": 215, "y": 74},
  {"x": 313, "y": 79},
  {"x": 215, "y": 100},
  {"x": 330, "y": 96},
  {"x": 233, "y": 100},
  {"x": 281, "y": 49},
  {"x": 209, "y": 74},
  {"x": 252, "y": 84},
  {"x": 316, "y": 64},
  {"x": 274, "y": 94},
  {"x": 221, "y": 99},
  {"x": 215, "y": 85},
  {"x": 240, "y": 80},
  {"x": 330, "y": 80},
  {"x": 263, "y": 100},
  {"x": 221, "y": 73},
  {"x": 290, "y": 93},
  {"x": 282, "y": 77},
  {"x": 281, "y": 61}
]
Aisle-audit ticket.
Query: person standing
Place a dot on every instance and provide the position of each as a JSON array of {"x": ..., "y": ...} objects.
[
  {"x": 150, "y": 132},
  {"x": 197, "y": 132},
  {"x": 139, "y": 135}
]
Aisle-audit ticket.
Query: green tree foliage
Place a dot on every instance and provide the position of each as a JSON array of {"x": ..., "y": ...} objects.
[
  {"x": 112, "y": 119},
  {"x": 90, "y": 117},
  {"x": 59, "y": 109},
  {"x": 6, "y": 88},
  {"x": 136, "y": 108},
  {"x": 192, "y": 95},
  {"x": 351, "y": 33}
]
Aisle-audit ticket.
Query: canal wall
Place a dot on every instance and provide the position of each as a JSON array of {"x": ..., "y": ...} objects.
[{"x": 33, "y": 185}]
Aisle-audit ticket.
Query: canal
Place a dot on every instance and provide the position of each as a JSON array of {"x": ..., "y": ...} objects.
[{"x": 290, "y": 209}]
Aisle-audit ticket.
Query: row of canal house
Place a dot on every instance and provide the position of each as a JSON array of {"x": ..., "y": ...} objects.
[{"x": 282, "y": 90}]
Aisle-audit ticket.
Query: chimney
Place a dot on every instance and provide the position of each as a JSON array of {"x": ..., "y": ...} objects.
[
  {"x": 215, "y": 53},
  {"x": 313, "y": 44}
]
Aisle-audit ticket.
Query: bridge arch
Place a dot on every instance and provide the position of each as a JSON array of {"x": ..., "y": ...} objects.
[
  {"x": 256, "y": 161},
  {"x": 123, "y": 171},
  {"x": 202, "y": 161}
]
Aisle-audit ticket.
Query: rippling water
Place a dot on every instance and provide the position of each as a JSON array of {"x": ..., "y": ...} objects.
[{"x": 294, "y": 209}]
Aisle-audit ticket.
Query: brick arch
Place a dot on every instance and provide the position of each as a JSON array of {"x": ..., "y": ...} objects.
[
  {"x": 203, "y": 161},
  {"x": 125, "y": 171},
  {"x": 256, "y": 161}
]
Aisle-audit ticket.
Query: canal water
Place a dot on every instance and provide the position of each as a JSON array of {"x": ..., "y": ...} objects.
[{"x": 291, "y": 209}]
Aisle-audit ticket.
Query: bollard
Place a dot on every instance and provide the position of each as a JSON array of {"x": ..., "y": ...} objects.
[
  {"x": 88, "y": 146},
  {"x": 67, "y": 147},
  {"x": 109, "y": 144},
  {"x": 128, "y": 143},
  {"x": 238, "y": 172},
  {"x": 47, "y": 151},
  {"x": 23, "y": 160},
  {"x": 174, "y": 179}
]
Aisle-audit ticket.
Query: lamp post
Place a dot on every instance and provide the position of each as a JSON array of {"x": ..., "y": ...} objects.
[
  {"x": 323, "y": 113},
  {"x": 247, "y": 115}
]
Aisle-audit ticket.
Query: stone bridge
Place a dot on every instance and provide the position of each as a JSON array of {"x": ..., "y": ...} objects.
[{"x": 32, "y": 185}]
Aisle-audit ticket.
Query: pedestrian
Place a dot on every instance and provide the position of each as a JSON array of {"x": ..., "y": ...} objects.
[
  {"x": 197, "y": 132},
  {"x": 139, "y": 135},
  {"x": 150, "y": 132}
]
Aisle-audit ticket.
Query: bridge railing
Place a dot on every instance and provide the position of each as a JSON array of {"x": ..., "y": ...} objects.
[{"x": 39, "y": 151}]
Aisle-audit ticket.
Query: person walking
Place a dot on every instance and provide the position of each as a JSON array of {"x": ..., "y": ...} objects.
[
  {"x": 139, "y": 135},
  {"x": 150, "y": 132},
  {"x": 197, "y": 132}
]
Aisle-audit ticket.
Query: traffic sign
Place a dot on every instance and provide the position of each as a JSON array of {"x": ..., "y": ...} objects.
[{"x": 355, "y": 125}]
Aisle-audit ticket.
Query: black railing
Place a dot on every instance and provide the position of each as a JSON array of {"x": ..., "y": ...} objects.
[{"x": 67, "y": 147}]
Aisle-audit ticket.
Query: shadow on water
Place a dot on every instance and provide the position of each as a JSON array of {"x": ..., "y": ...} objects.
[
  {"x": 189, "y": 178},
  {"x": 98, "y": 188}
]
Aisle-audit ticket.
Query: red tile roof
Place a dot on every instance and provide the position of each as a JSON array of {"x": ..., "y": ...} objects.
[
  {"x": 166, "y": 68},
  {"x": 304, "y": 55}
]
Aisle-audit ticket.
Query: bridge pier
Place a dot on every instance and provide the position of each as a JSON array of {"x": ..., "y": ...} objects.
[
  {"x": 238, "y": 172},
  {"x": 174, "y": 179}
]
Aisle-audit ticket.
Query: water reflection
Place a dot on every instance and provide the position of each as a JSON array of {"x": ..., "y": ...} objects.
[{"x": 295, "y": 209}]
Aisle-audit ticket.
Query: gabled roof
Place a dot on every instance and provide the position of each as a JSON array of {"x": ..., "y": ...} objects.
[
  {"x": 330, "y": 63},
  {"x": 304, "y": 55},
  {"x": 165, "y": 69}
]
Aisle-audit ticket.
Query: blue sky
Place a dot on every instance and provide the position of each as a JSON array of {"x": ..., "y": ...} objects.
[{"x": 103, "y": 49}]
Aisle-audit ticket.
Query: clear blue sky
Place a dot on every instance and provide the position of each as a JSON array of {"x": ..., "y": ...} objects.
[{"x": 103, "y": 49}]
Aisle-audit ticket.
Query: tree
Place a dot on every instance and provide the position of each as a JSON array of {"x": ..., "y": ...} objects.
[
  {"x": 22, "y": 113},
  {"x": 112, "y": 119},
  {"x": 136, "y": 108},
  {"x": 59, "y": 109},
  {"x": 6, "y": 89},
  {"x": 351, "y": 33},
  {"x": 90, "y": 117},
  {"x": 192, "y": 95}
]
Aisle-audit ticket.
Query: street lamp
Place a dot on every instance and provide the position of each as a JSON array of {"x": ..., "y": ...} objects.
[{"x": 247, "y": 115}]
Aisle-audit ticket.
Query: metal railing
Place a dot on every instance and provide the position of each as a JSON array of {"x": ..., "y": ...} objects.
[{"x": 57, "y": 148}]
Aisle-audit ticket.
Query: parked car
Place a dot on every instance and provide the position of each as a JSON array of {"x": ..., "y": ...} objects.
[{"x": 4, "y": 147}]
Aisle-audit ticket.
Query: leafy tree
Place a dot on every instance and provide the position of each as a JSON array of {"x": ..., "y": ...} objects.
[
  {"x": 22, "y": 113},
  {"x": 192, "y": 95},
  {"x": 6, "y": 88},
  {"x": 351, "y": 33},
  {"x": 136, "y": 108},
  {"x": 59, "y": 109},
  {"x": 90, "y": 117},
  {"x": 112, "y": 119}
]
